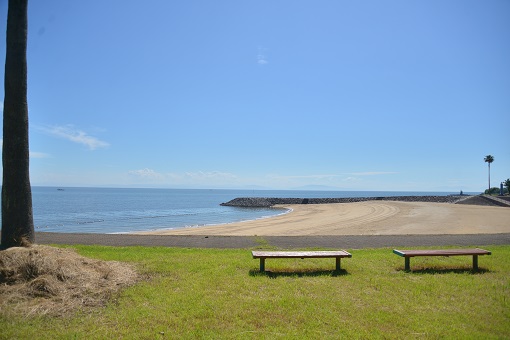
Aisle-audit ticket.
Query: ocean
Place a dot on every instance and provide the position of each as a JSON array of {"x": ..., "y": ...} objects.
[{"x": 105, "y": 210}]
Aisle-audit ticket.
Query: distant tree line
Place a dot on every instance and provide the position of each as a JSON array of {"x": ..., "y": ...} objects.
[{"x": 496, "y": 190}]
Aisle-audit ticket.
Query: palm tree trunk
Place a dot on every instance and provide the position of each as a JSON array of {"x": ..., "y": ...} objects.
[
  {"x": 17, "y": 216},
  {"x": 489, "y": 178}
]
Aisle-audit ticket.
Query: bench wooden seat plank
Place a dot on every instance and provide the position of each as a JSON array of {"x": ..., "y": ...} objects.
[
  {"x": 407, "y": 254},
  {"x": 263, "y": 255}
]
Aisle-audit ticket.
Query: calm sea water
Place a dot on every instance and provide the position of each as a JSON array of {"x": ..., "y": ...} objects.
[{"x": 103, "y": 210}]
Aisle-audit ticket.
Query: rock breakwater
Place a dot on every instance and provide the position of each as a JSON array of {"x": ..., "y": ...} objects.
[{"x": 266, "y": 202}]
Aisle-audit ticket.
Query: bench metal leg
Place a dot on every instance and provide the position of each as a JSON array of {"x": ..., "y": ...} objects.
[
  {"x": 262, "y": 264},
  {"x": 338, "y": 264},
  {"x": 407, "y": 264},
  {"x": 475, "y": 262}
]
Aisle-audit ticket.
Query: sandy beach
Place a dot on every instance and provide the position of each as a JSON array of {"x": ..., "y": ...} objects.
[{"x": 365, "y": 218}]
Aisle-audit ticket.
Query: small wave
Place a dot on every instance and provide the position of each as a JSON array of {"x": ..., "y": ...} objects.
[
  {"x": 284, "y": 212},
  {"x": 116, "y": 223},
  {"x": 89, "y": 222},
  {"x": 115, "y": 219}
]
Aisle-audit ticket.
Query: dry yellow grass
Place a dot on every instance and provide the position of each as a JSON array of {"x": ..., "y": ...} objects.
[{"x": 40, "y": 280}]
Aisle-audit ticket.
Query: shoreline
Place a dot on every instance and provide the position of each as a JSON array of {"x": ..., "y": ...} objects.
[
  {"x": 284, "y": 210},
  {"x": 369, "y": 217}
]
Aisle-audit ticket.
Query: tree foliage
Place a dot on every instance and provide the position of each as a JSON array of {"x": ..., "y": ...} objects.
[
  {"x": 492, "y": 191},
  {"x": 489, "y": 159}
]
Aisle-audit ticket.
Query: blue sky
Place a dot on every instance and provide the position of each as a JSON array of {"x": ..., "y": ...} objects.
[{"x": 352, "y": 95}]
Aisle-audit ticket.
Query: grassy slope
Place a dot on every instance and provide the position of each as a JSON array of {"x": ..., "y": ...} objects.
[{"x": 220, "y": 294}]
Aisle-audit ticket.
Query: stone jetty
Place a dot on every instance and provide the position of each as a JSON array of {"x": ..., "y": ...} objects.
[{"x": 266, "y": 202}]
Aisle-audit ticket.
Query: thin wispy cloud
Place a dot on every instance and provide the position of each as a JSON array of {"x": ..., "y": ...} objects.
[
  {"x": 202, "y": 175},
  {"x": 306, "y": 176},
  {"x": 70, "y": 133},
  {"x": 323, "y": 176},
  {"x": 261, "y": 56},
  {"x": 146, "y": 173},
  {"x": 34, "y": 154},
  {"x": 373, "y": 173}
]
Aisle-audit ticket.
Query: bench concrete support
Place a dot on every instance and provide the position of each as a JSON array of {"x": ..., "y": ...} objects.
[
  {"x": 263, "y": 255},
  {"x": 407, "y": 254}
]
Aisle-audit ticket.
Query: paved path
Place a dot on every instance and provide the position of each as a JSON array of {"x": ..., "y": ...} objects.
[{"x": 286, "y": 242}]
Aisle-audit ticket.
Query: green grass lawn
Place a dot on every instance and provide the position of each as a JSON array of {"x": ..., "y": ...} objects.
[{"x": 213, "y": 293}]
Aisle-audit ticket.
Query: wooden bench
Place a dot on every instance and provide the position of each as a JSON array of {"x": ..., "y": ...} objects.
[
  {"x": 407, "y": 254},
  {"x": 263, "y": 255}
]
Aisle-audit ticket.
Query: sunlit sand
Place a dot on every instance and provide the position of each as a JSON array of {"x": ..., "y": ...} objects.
[{"x": 366, "y": 218}]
